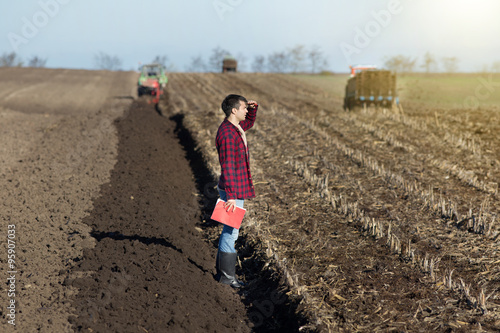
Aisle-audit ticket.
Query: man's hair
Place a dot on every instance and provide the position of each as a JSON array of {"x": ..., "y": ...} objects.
[{"x": 230, "y": 102}]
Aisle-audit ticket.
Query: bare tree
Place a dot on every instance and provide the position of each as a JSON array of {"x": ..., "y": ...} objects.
[
  {"x": 10, "y": 60},
  {"x": 400, "y": 63},
  {"x": 297, "y": 56},
  {"x": 450, "y": 64},
  {"x": 215, "y": 60},
  {"x": 162, "y": 60},
  {"x": 37, "y": 62},
  {"x": 409, "y": 65},
  {"x": 107, "y": 62},
  {"x": 197, "y": 65},
  {"x": 259, "y": 64},
  {"x": 317, "y": 61},
  {"x": 429, "y": 63},
  {"x": 278, "y": 62},
  {"x": 393, "y": 64}
]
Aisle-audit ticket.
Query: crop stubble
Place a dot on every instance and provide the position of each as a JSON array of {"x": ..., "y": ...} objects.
[{"x": 330, "y": 185}]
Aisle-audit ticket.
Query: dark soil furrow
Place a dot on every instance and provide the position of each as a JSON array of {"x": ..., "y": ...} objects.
[{"x": 150, "y": 269}]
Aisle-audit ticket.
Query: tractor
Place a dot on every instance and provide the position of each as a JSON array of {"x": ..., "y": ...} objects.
[
  {"x": 229, "y": 65},
  {"x": 369, "y": 86},
  {"x": 152, "y": 81}
]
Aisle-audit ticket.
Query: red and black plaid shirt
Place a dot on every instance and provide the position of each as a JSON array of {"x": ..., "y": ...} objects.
[{"x": 234, "y": 158}]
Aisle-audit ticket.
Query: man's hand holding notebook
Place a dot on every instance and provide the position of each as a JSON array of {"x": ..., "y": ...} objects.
[{"x": 230, "y": 218}]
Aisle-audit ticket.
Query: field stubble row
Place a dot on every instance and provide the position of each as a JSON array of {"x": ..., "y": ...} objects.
[{"x": 291, "y": 150}]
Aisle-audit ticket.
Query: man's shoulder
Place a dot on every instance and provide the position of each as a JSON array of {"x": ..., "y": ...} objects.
[{"x": 225, "y": 128}]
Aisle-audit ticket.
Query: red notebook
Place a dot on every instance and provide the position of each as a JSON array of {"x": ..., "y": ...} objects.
[{"x": 232, "y": 219}]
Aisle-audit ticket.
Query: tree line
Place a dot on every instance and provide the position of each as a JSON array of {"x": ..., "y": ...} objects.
[
  {"x": 430, "y": 64},
  {"x": 12, "y": 59},
  {"x": 298, "y": 59}
]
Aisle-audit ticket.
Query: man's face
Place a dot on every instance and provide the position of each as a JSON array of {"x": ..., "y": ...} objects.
[{"x": 241, "y": 112}]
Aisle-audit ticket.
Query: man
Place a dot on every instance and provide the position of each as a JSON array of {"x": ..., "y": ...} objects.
[{"x": 235, "y": 183}]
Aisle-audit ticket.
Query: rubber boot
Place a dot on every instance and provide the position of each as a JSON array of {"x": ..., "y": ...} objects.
[{"x": 226, "y": 267}]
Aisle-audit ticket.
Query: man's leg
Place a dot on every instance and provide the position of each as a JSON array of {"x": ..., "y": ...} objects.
[
  {"x": 226, "y": 255},
  {"x": 227, "y": 239}
]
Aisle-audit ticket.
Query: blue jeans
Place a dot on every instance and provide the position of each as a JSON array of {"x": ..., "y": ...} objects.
[{"x": 229, "y": 234}]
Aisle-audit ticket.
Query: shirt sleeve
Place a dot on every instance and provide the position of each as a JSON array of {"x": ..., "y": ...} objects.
[
  {"x": 250, "y": 119},
  {"x": 227, "y": 159}
]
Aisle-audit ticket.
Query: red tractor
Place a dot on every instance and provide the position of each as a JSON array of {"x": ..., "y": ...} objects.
[{"x": 152, "y": 81}]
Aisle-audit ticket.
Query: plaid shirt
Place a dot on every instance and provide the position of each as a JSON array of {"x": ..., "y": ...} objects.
[{"x": 234, "y": 158}]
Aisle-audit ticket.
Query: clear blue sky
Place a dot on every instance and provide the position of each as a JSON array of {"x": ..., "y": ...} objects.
[{"x": 70, "y": 32}]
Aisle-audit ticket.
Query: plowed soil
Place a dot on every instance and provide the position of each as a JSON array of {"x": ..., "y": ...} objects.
[
  {"x": 369, "y": 221},
  {"x": 105, "y": 195},
  {"x": 58, "y": 147},
  {"x": 151, "y": 270}
]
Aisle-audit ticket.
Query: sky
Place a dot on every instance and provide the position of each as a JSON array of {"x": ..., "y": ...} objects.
[{"x": 69, "y": 33}]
